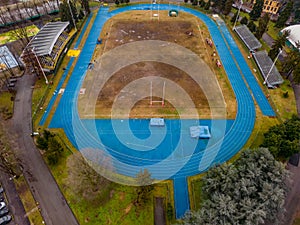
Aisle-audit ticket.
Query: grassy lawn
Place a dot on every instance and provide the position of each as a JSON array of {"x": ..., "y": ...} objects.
[
  {"x": 15, "y": 35},
  {"x": 115, "y": 203},
  {"x": 7, "y": 106},
  {"x": 284, "y": 100},
  {"x": 28, "y": 201}
]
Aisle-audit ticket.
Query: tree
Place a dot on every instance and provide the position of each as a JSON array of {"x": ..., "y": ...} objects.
[
  {"x": 262, "y": 26},
  {"x": 83, "y": 180},
  {"x": 207, "y": 5},
  {"x": 257, "y": 9},
  {"x": 227, "y": 7},
  {"x": 54, "y": 150},
  {"x": 51, "y": 145},
  {"x": 117, "y": 2},
  {"x": 244, "y": 20},
  {"x": 249, "y": 191},
  {"x": 252, "y": 27},
  {"x": 291, "y": 65},
  {"x": 65, "y": 14},
  {"x": 283, "y": 140},
  {"x": 195, "y": 2},
  {"x": 145, "y": 187},
  {"x": 278, "y": 44},
  {"x": 9, "y": 162},
  {"x": 284, "y": 15},
  {"x": 85, "y": 5},
  {"x": 202, "y": 3},
  {"x": 234, "y": 17}
]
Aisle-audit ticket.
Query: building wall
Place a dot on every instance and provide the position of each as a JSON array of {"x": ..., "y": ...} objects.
[{"x": 270, "y": 6}]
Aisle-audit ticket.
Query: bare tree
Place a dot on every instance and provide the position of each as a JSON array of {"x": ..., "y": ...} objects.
[
  {"x": 8, "y": 161},
  {"x": 83, "y": 179}
]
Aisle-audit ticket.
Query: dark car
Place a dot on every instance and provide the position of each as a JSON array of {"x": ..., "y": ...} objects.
[
  {"x": 1, "y": 190},
  {"x": 4, "y": 211},
  {"x": 5, "y": 219}
]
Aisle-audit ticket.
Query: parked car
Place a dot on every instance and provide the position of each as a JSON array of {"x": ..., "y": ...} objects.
[
  {"x": 1, "y": 190},
  {"x": 4, "y": 211},
  {"x": 5, "y": 219},
  {"x": 2, "y": 205}
]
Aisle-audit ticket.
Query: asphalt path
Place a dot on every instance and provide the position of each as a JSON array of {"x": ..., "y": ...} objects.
[{"x": 44, "y": 188}]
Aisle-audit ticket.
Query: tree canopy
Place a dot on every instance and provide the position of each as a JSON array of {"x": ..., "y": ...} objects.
[
  {"x": 278, "y": 44},
  {"x": 284, "y": 15},
  {"x": 257, "y": 10},
  {"x": 262, "y": 26},
  {"x": 291, "y": 65},
  {"x": 283, "y": 140},
  {"x": 249, "y": 191}
]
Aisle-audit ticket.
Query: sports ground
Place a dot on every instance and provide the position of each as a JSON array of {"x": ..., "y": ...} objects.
[{"x": 167, "y": 152}]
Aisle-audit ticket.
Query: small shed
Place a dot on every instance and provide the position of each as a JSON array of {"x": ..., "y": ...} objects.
[
  {"x": 157, "y": 122},
  {"x": 200, "y": 132}
]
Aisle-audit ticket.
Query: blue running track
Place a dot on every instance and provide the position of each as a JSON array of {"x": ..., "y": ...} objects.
[{"x": 128, "y": 160}]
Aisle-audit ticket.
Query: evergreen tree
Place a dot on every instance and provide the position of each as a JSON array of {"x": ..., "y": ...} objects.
[
  {"x": 244, "y": 20},
  {"x": 117, "y": 2},
  {"x": 278, "y": 44},
  {"x": 291, "y": 65},
  {"x": 202, "y": 3},
  {"x": 234, "y": 17},
  {"x": 194, "y": 2},
  {"x": 283, "y": 140},
  {"x": 257, "y": 9},
  {"x": 284, "y": 15},
  {"x": 252, "y": 27},
  {"x": 85, "y": 5},
  {"x": 262, "y": 26},
  {"x": 207, "y": 5},
  {"x": 227, "y": 7},
  {"x": 249, "y": 191},
  {"x": 65, "y": 14}
]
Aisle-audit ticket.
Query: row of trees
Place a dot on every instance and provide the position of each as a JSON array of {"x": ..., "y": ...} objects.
[
  {"x": 68, "y": 11},
  {"x": 249, "y": 191}
]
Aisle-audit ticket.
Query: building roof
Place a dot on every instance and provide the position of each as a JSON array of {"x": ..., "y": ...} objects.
[
  {"x": 45, "y": 39},
  {"x": 264, "y": 63},
  {"x": 247, "y": 37},
  {"x": 6, "y": 58},
  {"x": 294, "y": 37}
]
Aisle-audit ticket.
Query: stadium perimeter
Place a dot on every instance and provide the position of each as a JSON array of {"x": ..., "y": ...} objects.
[{"x": 77, "y": 130}]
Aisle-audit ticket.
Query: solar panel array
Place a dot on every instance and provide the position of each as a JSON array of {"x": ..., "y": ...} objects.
[
  {"x": 247, "y": 37},
  {"x": 264, "y": 63}
]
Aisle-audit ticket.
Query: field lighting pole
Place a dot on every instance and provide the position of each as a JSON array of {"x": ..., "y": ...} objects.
[
  {"x": 240, "y": 6},
  {"x": 68, "y": 1},
  {"x": 280, "y": 51}
]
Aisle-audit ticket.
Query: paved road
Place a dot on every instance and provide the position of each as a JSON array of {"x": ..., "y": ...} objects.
[{"x": 55, "y": 210}]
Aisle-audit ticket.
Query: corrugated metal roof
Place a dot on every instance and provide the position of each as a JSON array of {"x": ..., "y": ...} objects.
[
  {"x": 45, "y": 39},
  {"x": 248, "y": 38},
  {"x": 265, "y": 63}
]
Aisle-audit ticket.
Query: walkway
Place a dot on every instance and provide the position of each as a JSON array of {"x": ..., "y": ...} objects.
[
  {"x": 55, "y": 209},
  {"x": 187, "y": 163}
]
